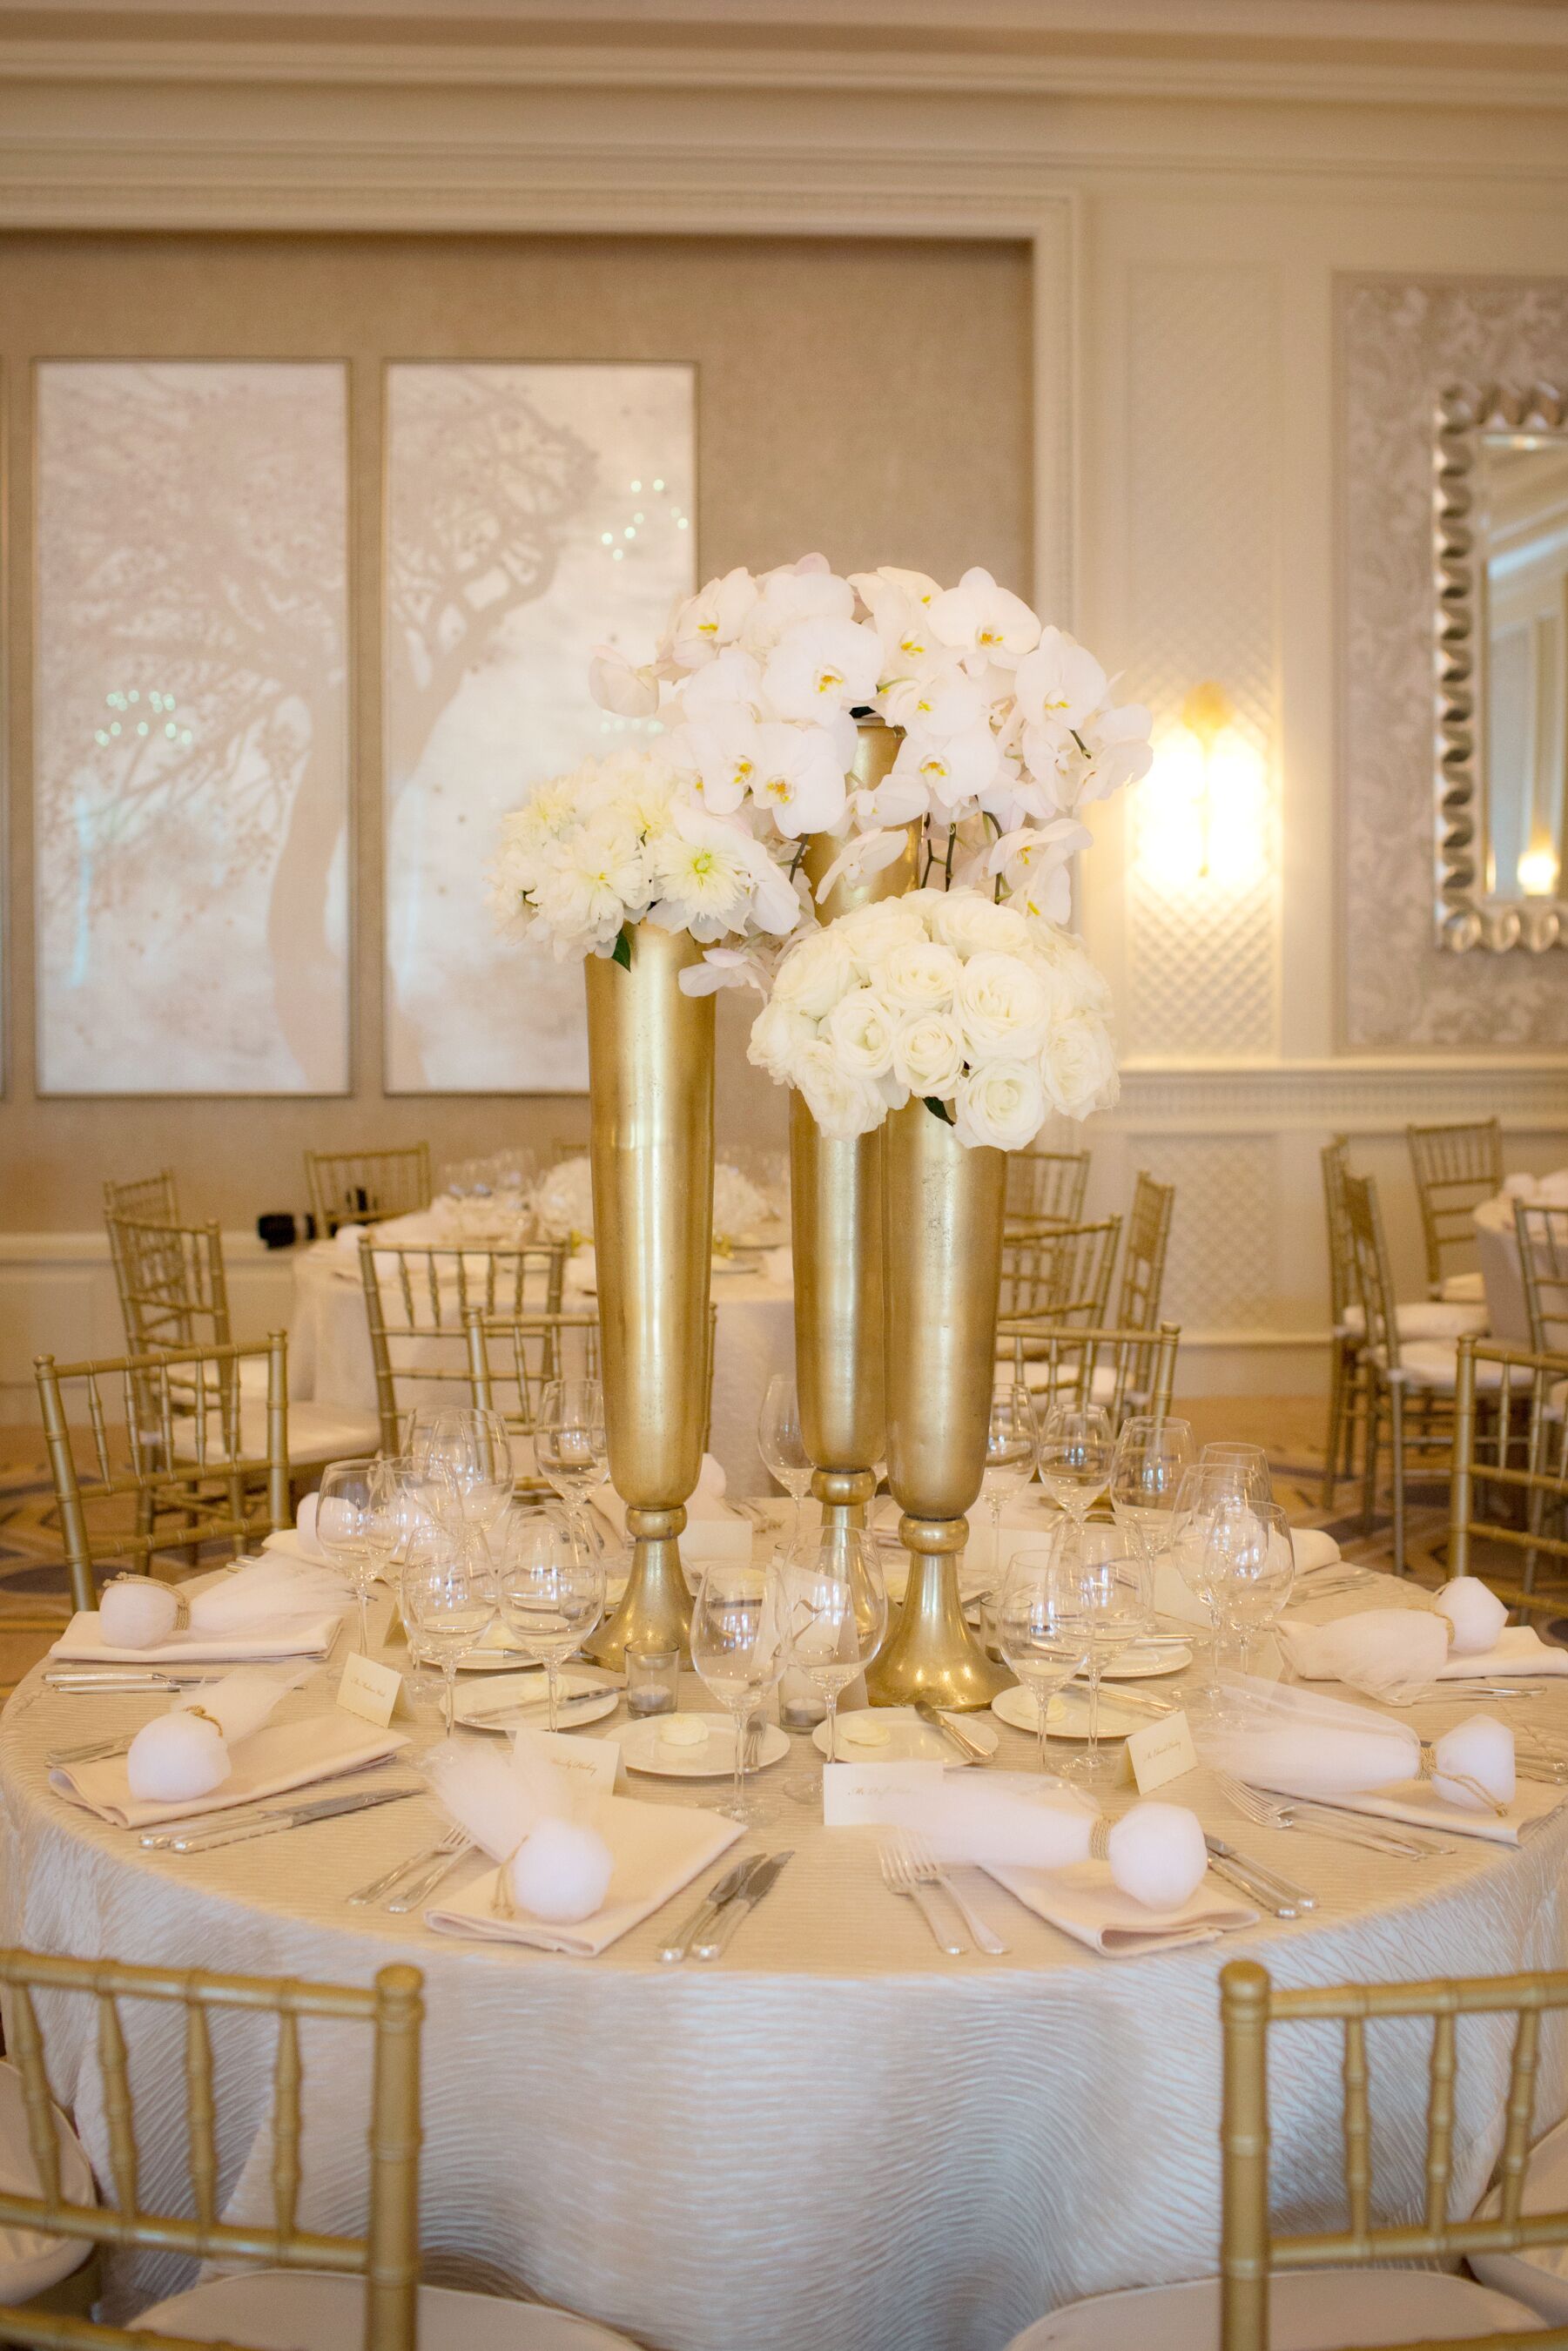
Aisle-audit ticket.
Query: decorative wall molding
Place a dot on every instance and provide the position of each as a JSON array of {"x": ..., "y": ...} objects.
[{"x": 1352, "y": 1096}]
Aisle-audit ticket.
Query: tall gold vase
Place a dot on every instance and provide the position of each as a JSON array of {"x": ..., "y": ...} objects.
[
  {"x": 941, "y": 1274},
  {"x": 836, "y": 1223},
  {"x": 651, "y": 1065}
]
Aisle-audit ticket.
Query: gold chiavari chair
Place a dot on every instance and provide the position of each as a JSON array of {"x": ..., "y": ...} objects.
[
  {"x": 1491, "y": 1462},
  {"x": 1543, "y": 1235},
  {"x": 1456, "y": 1168},
  {"x": 417, "y": 1304},
  {"x": 1319, "y": 2288},
  {"x": 362, "y": 1187},
  {"x": 1046, "y": 1187},
  {"x": 1144, "y": 1259},
  {"x": 1062, "y": 1269},
  {"x": 512, "y": 1358},
  {"x": 1347, "y": 1333},
  {"x": 181, "y": 1450},
  {"x": 1125, "y": 1370},
  {"x": 146, "y": 1199}
]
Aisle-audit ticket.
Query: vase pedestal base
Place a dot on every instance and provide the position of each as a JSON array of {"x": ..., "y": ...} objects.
[
  {"x": 844, "y": 1496},
  {"x": 934, "y": 1654},
  {"x": 655, "y": 1610}
]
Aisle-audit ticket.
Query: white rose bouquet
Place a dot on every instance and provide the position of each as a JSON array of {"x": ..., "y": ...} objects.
[{"x": 993, "y": 1015}]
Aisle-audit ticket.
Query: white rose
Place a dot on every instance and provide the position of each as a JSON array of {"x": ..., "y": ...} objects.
[
  {"x": 779, "y": 1037},
  {"x": 920, "y": 977},
  {"x": 928, "y": 1053},
  {"x": 816, "y": 972},
  {"x": 1079, "y": 1063},
  {"x": 860, "y": 1030},
  {"x": 970, "y": 924},
  {"x": 1078, "y": 985},
  {"x": 1002, "y": 1105},
  {"x": 873, "y": 931},
  {"x": 1003, "y": 1006},
  {"x": 842, "y": 1104}
]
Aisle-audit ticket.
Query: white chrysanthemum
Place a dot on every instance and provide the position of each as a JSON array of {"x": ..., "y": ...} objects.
[
  {"x": 1078, "y": 1066},
  {"x": 1002, "y": 1105},
  {"x": 970, "y": 924},
  {"x": 593, "y": 881},
  {"x": 928, "y": 1053},
  {"x": 701, "y": 878},
  {"x": 1001, "y": 1005},
  {"x": 816, "y": 972},
  {"x": 860, "y": 1028},
  {"x": 919, "y": 975}
]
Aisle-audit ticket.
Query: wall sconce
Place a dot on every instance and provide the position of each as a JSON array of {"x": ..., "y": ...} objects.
[
  {"x": 1538, "y": 872},
  {"x": 1203, "y": 808}
]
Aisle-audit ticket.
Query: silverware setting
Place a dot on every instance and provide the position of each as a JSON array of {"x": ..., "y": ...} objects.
[
  {"x": 419, "y": 1889},
  {"x": 565, "y": 1711},
  {"x": 929, "y": 1871},
  {"x": 954, "y": 1732},
  {"x": 901, "y": 1875},
  {"x": 93, "y": 1750},
  {"x": 1262, "y": 1885},
  {"x": 326, "y": 1808},
  {"x": 94, "y": 1681},
  {"x": 363, "y": 1895},
  {"x": 712, "y": 1943},
  {"x": 722, "y": 1890},
  {"x": 1325, "y": 1820}
]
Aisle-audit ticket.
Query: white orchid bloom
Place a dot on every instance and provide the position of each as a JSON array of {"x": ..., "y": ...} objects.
[
  {"x": 1120, "y": 751},
  {"x": 1060, "y": 683},
  {"x": 897, "y": 800},
  {"x": 712, "y": 618},
  {"x": 616, "y": 685},
  {"x": 731, "y": 681},
  {"x": 724, "y": 752},
  {"x": 800, "y": 777},
  {"x": 902, "y": 618},
  {"x": 724, "y": 967},
  {"x": 820, "y": 667},
  {"x": 1034, "y": 863},
  {"x": 866, "y": 854},
  {"x": 790, "y": 597},
  {"x": 942, "y": 702},
  {"x": 953, "y": 769},
  {"x": 986, "y": 624}
]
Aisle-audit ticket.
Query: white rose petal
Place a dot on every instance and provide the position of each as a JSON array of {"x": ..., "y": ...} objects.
[
  {"x": 1002, "y": 1006},
  {"x": 871, "y": 932},
  {"x": 919, "y": 976},
  {"x": 928, "y": 1053},
  {"x": 1002, "y": 1105},
  {"x": 970, "y": 924},
  {"x": 842, "y": 1104},
  {"x": 817, "y": 970},
  {"x": 1079, "y": 1066},
  {"x": 779, "y": 1037},
  {"x": 860, "y": 1028}
]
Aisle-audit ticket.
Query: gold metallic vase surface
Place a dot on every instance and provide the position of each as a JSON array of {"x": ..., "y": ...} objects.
[
  {"x": 651, "y": 1080},
  {"x": 941, "y": 1274}
]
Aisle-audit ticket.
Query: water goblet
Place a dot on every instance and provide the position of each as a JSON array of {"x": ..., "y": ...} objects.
[
  {"x": 1042, "y": 1629},
  {"x": 837, "y": 1614},
  {"x": 738, "y": 1648},
  {"x": 1153, "y": 1454},
  {"x": 550, "y": 1590},
  {"x": 1252, "y": 1565},
  {"x": 570, "y": 1444},
  {"x": 1110, "y": 1591},
  {"x": 782, "y": 1445},
  {"x": 1244, "y": 1468},
  {"x": 1075, "y": 1456},
  {"x": 1012, "y": 1443},
  {"x": 356, "y": 1526},
  {"x": 449, "y": 1599}
]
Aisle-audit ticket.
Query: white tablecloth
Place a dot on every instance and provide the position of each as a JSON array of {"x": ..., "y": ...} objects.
[
  {"x": 835, "y": 2140},
  {"x": 1497, "y": 1246},
  {"x": 330, "y": 1349}
]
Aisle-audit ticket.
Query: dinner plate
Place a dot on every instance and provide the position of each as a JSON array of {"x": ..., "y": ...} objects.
[
  {"x": 908, "y": 1740},
  {"x": 486, "y": 1707},
  {"x": 497, "y": 1652},
  {"x": 643, "y": 1749},
  {"x": 1069, "y": 1715},
  {"x": 1140, "y": 1664}
]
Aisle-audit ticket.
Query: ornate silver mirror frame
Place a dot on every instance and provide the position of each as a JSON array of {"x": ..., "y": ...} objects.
[{"x": 1470, "y": 910}]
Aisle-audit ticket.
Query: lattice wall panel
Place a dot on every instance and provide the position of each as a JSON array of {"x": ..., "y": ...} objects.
[
  {"x": 1204, "y": 958},
  {"x": 1220, "y": 1273}
]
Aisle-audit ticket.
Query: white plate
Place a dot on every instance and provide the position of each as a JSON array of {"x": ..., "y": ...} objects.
[
  {"x": 1069, "y": 1715},
  {"x": 642, "y": 1748},
  {"x": 497, "y": 1652},
  {"x": 1136, "y": 1664},
  {"x": 909, "y": 1740},
  {"x": 485, "y": 1708}
]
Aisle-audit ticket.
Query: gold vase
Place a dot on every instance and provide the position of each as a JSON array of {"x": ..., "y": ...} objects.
[
  {"x": 941, "y": 1272},
  {"x": 836, "y": 1222},
  {"x": 651, "y": 1063}
]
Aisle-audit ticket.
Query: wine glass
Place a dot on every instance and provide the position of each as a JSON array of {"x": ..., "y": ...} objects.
[
  {"x": 1075, "y": 1456},
  {"x": 1252, "y": 1565},
  {"x": 782, "y": 1444},
  {"x": 1244, "y": 1468},
  {"x": 1013, "y": 1442},
  {"x": 1152, "y": 1455},
  {"x": 551, "y": 1593},
  {"x": 1110, "y": 1591},
  {"x": 474, "y": 1450},
  {"x": 837, "y": 1614},
  {"x": 1042, "y": 1629},
  {"x": 357, "y": 1526},
  {"x": 737, "y": 1647},
  {"x": 449, "y": 1597},
  {"x": 1205, "y": 1490},
  {"x": 570, "y": 1446}
]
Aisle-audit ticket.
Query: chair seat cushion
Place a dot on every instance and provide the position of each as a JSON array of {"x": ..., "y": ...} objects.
[
  {"x": 1463, "y": 1289},
  {"x": 1540, "y": 2275},
  {"x": 1434, "y": 1364},
  {"x": 317, "y": 1432},
  {"x": 31, "y": 2261},
  {"x": 1424, "y": 1318},
  {"x": 293, "y": 2310},
  {"x": 1307, "y": 2311}
]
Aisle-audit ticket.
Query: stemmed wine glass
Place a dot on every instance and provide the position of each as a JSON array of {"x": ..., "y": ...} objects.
[
  {"x": 449, "y": 1597},
  {"x": 570, "y": 1447},
  {"x": 1110, "y": 1591},
  {"x": 467, "y": 1455},
  {"x": 837, "y": 1615},
  {"x": 1012, "y": 1443},
  {"x": 1041, "y": 1628},
  {"x": 782, "y": 1445},
  {"x": 550, "y": 1591},
  {"x": 1153, "y": 1454},
  {"x": 1243, "y": 1467},
  {"x": 357, "y": 1527},
  {"x": 1252, "y": 1564},
  {"x": 1075, "y": 1456},
  {"x": 1206, "y": 1489},
  {"x": 737, "y": 1647}
]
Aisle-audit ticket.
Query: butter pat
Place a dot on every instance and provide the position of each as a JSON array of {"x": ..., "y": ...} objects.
[
  {"x": 864, "y": 1732},
  {"x": 683, "y": 1730}
]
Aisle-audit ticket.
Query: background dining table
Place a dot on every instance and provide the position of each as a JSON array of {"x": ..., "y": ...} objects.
[
  {"x": 835, "y": 2137},
  {"x": 1497, "y": 1250}
]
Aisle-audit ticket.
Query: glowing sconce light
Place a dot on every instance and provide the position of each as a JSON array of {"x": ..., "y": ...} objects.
[
  {"x": 1538, "y": 872},
  {"x": 1203, "y": 812}
]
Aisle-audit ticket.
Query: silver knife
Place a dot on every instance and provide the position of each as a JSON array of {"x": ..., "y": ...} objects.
[
  {"x": 565, "y": 1708},
  {"x": 970, "y": 1749},
  {"x": 1276, "y": 1893},
  {"x": 89, "y": 1683},
  {"x": 760, "y": 1883},
  {"x": 420, "y": 1889},
  {"x": 326, "y": 1808},
  {"x": 723, "y": 1889}
]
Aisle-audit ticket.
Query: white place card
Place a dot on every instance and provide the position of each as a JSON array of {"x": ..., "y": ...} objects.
[
  {"x": 369, "y": 1691},
  {"x": 1161, "y": 1753},
  {"x": 586, "y": 1762},
  {"x": 856, "y": 1793}
]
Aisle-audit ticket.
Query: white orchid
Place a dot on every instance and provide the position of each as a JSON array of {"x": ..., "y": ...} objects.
[
  {"x": 800, "y": 777},
  {"x": 616, "y": 685},
  {"x": 820, "y": 667},
  {"x": 724, "y": 967},
  {"x": 987, "y": 624},
  {"x": 725, "y": 752},
  {"x": 863, "y": 855},
  {"x": 712, "y": 618},
  {"x": 1060, "y": 683},
  {"x": 953, "y": 768}
]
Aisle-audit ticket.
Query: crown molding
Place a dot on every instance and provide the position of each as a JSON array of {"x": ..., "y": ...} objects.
[{"x": 1357, "y": 1096}]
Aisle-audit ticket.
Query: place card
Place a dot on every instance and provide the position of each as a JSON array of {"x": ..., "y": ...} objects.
[
  {"x": 856, "y": 1793},
  {"x": 588, "y": 1763},
  {"x": 369, "y": 1691},
  {"x": 1162, "y": 1751}
]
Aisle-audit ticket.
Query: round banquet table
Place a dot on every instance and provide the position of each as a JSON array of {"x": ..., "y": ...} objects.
[
  {"x": 329, "y": 1347},
  {"x": 1497, "y": 1250},
  {"x": 835, "y": 2139}
]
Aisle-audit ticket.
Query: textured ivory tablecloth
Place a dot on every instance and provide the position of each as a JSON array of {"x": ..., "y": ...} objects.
[
  {"x": 330, "y": 1352},
  {"x": 834, "y": 2140},
  {"x": 1497, "y": 1250}
]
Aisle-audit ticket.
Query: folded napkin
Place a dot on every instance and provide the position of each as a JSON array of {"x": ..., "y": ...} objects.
[
  {"x": 277, "y": 1760},
  {"x": 1086, "y": 1904},
  {"x": 1518, "y": 1652},
  {"x": 299, "y": 1540},
  {"x": 1315, "y": 1549},
  {"x": 82, "y": 1643},
  {"x": 655, "y": 1850},
  {"x": 1419, "y": 1805},
  {"x": 713, "y": 1529},
  {"x": 1394, "y": 1653}
]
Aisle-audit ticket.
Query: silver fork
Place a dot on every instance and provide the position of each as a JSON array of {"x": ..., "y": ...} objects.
[
  {"x": 416, "y": 1890},
  {"x": 95, "y": 1751},
  {"x": 899, "y": 1877},
  {"x": 1274, "y": 1813},
  {"x": 928, "y": 1871},
  {"x": 389, "y": 1877}
]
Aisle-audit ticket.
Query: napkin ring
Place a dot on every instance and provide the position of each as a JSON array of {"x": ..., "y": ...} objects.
[
  {"x": 1099, "y": 1838},
  {"x": 182, "y": 1605},
  {"x": 1428, "y": 1770}
]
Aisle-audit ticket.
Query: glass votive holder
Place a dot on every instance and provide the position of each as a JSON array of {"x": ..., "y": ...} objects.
[
  {"x": 990, "y": 1640},
  {"x": 801, "y": 1705},
  {"x": 652, "y": 1679}
]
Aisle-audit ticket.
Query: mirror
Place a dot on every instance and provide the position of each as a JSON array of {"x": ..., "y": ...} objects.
[{"x": 1503, "y": 643}]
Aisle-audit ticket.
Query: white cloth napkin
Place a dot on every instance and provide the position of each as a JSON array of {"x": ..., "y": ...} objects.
[
  {"x": 656, "y": 1850},
  {"x": 1085, "y": 1904},
  {"x": 278, "y": 1758},
  {"x": 1418, "y": 1803},
  {"x": 1519, "y": 1652},
  {"x": 713, "y": 1529},
  {"x": 299, "y": 1541},
  {"x": 81, "y": 1644},
  {"x": 1394, "y": 1653}
]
